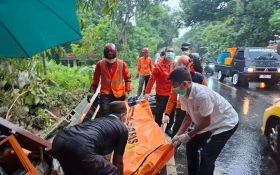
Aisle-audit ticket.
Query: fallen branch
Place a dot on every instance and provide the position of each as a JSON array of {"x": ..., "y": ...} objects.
[{"x": 7, "y": 115}]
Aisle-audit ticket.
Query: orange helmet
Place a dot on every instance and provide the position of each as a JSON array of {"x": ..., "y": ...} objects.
[{"x": 186, "y": 61}]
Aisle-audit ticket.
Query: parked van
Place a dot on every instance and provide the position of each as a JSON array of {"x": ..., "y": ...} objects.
[{"x": 250, "y": 64}]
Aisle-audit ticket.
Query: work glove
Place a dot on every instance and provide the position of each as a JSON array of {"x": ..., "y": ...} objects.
[
  {"x": 165, "y": 119},
  {"x": 89, "y": 96},
  {"x": 175, "y": 141},
  {"x": 183, "y": 138}
]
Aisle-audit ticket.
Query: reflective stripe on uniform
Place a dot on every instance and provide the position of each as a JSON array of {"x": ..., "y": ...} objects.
[{"x": 120, "y": 67}]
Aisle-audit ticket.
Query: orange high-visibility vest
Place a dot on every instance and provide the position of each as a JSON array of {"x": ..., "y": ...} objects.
[
  {"x": 115, "y": 83},
  {"x": 144, "y": 66}
]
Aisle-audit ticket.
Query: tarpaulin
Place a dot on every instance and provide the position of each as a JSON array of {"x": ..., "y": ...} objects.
[{"x": 147, "y": 150}]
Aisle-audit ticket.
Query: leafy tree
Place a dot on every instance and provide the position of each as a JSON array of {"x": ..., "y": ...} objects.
[
  {"x": 274, "y": 21},
  {"x": 232, "y": 23},
  {"x": 251, "y": 24},
  {"x": 205, "y": 10}
]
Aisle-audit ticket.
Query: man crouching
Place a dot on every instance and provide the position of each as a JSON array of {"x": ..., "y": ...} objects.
[{"x": 80, "y": 149}]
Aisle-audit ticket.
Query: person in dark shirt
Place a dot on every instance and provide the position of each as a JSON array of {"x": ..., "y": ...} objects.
[{"x": 80, "y": 149}]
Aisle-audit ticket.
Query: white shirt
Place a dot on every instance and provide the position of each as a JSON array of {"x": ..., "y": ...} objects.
[{"x": 203, "y": 102}]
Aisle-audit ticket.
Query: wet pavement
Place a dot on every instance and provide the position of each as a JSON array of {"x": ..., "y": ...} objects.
[{"x": 246, "y": 153}]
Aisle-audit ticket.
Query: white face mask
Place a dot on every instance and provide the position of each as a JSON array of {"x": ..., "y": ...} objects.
[{"x": 110, "y": 60}]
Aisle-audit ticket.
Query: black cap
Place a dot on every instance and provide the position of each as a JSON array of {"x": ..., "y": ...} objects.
[
  {"x": 180, "y": 74},
  {"x": 185, "y": 45}
]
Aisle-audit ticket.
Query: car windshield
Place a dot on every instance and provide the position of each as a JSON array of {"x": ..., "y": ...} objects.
[{"x": 263, "y": 54}]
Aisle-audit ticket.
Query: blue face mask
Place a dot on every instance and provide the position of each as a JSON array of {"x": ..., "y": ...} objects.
[{"x": 170, "y": 55}]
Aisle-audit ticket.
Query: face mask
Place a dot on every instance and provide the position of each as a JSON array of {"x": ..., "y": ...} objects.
[
  {"x": 186, "y": 52},
  {"x": 170, "y": 55},
  {"x": 180, "y": 91},
  {"x": 111, "y": 61}
]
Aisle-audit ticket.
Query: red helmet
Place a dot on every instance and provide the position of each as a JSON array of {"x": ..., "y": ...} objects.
[
  {"x": 145, "y": 50},
  {"x": 110, "y": 51}
]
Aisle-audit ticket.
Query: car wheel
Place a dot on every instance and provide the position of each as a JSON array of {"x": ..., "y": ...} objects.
[
  {"x": 221, "y": 76},
  {"x": 236, "y": 79},
  {"x": 273, "y": 136}
]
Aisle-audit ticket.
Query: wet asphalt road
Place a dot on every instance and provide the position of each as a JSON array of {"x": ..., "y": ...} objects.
[{"x": 246, "y": 153}]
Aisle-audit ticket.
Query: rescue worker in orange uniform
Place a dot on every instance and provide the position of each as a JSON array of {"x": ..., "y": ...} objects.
[
  {"x": 174, "y": 100},
  {"x": 163, "y": 86},
  {"x": 114, "y": 77},
  {"x": 144, "y": 70}
]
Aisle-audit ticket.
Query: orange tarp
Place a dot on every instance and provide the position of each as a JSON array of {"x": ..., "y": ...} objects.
[{"x": 147, "y": 150}]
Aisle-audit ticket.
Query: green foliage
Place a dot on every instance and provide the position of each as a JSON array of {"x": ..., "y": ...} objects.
[
  {"x": 69, "y": 78},
  {"x": 96, "y": 33},
  {"x": 161, "y": 23},
  {"x": 219, "y": 24},
  {"x": 195, "y": 11},
  {"x": 62, "y": 88},
  {"x": 133, "y": 25},
  {"x": 274, "y": 21},
  {"x": 218, "y": 36}
]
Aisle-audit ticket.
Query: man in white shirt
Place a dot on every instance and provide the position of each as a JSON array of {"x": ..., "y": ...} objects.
[{"x": 214, "y": 118}]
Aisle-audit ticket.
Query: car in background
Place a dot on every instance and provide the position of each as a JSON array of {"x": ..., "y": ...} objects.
[{"x": 271, "y": 127}]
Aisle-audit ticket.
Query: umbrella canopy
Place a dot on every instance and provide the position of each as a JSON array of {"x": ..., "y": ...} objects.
[{"x": 31, "y": 26}]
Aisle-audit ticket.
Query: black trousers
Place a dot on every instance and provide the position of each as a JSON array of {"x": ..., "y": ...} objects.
[
  {"x": 209, "y": 153},
  {"x": 146, "y": 78},
  {"x": 179, "y": 117},
  {"x": 161, "y": 102},
  {"x": 103, "y": 101},
  {"x": 75, "y": 159}
]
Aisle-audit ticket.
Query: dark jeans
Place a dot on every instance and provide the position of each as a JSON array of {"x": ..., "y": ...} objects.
[
  {"x": 143, "y": 80},
  {"x": 104, "y": 102},
  {"x": 75, "y": 159},
  {"x": 209, "y": 153},
  {"x": 161, "y": 102}
]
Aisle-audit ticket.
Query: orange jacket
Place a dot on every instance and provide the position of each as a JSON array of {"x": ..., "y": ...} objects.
[
  {"x": 144, "y": 66},
  {"x": 173, "y": 100},
  {"x": 115, "y": 78},
  {"x": 159, "y": 75}
]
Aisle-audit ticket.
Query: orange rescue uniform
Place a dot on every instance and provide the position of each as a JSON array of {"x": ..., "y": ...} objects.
[
  {"x": 115, "y": 78},
  {"x": 159, "y": 75},
  {"x": 144, "y": 66}
]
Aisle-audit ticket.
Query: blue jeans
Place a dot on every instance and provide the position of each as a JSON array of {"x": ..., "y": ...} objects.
[{"x": 142, "y": 80}]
